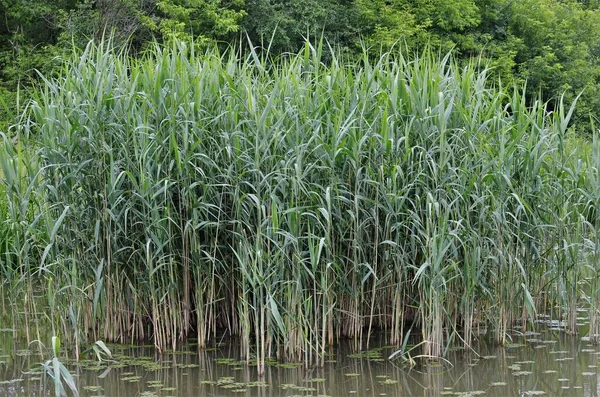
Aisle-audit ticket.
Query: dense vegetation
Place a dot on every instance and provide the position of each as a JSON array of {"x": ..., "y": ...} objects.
[
  {"x": 552, "y": 44},
  {"x": 292, "y": 201}
]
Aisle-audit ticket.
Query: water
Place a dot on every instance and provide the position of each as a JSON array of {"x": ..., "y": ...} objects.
[{"x": 551, "y": 363}]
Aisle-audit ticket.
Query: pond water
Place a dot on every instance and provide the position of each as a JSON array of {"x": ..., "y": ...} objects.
[{"x": 549, "y": 363}]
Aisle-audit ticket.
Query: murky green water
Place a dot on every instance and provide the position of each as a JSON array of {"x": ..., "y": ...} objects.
[{"x": 549, "y": 363}]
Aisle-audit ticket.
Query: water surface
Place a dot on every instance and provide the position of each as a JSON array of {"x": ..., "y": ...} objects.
[{"x": 549, "y": 363}]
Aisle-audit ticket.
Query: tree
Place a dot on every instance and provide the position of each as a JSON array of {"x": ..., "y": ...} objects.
[
  {"x": 200, "y": 20},
  {"x": 418, "y": 22},
  {"x": 558, "y": 51},
  {"x": 285, "y": 24}
]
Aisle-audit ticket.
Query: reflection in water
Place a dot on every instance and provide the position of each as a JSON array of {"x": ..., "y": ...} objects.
[{"x": 552, "y": 364}]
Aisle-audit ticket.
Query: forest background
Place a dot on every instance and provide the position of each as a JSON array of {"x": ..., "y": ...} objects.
[{"x": 553, "y": 45}]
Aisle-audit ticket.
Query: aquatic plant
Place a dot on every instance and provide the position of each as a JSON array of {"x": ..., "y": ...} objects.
[
  {"x": 291, "y": 201},
  {"x": 5, "y": 234},
  {"x": 59, "y": 374}
]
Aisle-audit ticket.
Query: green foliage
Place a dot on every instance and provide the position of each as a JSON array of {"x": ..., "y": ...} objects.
[
  {"x": 558, "y": 51},
  {"x": 553, "y": 45},
  {"x": 59, "y": 373},
  {"x": 200, "y": 20},
  {"x": 291, "y": 201},
  {"x": 285, "y": 25},
  {"x": 438, "y": 23},
  {"x": 27, "y": 31},
  {"x": 124, "y": 20}
]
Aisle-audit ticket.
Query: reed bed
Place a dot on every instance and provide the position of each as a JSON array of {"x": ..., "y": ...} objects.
[{"x": 293, "y": 202}]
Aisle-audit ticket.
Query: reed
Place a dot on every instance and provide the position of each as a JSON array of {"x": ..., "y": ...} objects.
[
  {"x": 292, "y": 201},
  {"x": 58, "y": 373}
]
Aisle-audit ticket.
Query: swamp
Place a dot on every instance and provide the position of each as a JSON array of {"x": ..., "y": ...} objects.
[
  {"x": 238, "y": 223},
  {"x": 548, "y": 363}
]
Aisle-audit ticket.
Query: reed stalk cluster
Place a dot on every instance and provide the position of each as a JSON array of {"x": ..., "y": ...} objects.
[{"x": 293, "y": 201}]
